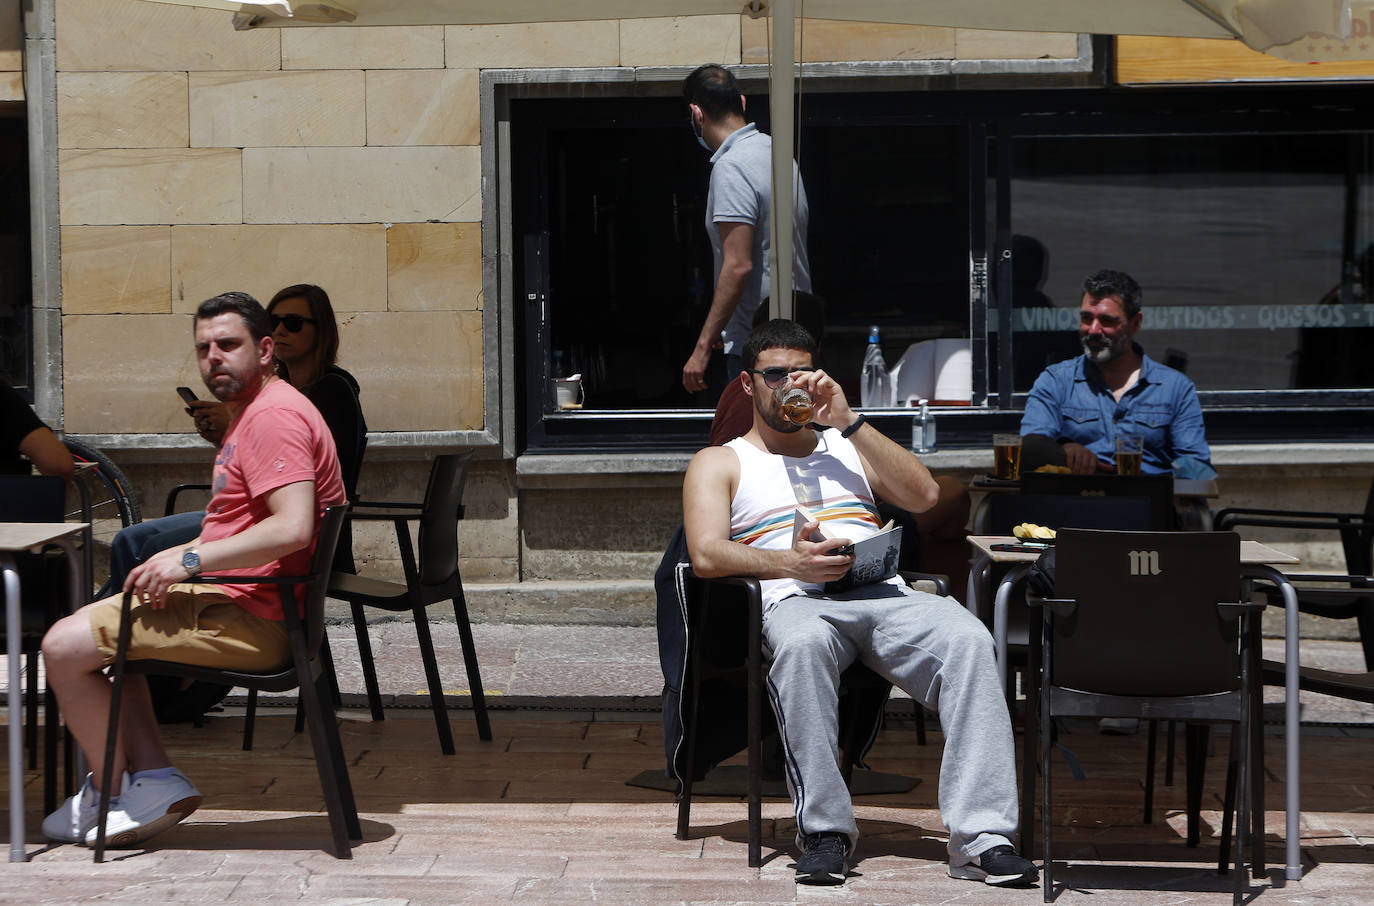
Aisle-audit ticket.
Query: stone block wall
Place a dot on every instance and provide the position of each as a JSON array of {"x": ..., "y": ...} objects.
[
  {"x": 11, "y": 52},
  {"x": 194, "y": 159}
]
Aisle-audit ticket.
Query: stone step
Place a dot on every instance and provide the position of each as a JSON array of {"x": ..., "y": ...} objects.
[{"x": 597, "y": 602}]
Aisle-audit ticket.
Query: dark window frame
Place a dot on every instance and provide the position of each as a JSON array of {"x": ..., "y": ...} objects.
[{"x": 991, "y": 117}]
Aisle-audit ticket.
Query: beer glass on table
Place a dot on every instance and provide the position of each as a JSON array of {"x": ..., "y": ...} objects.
[
  {"x": 1006, "y": 456},
  {"x": 1129, "y": 449}
]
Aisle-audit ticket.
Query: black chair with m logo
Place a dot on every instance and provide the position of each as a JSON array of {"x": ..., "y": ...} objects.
[{"x": 1153, "y": 625}]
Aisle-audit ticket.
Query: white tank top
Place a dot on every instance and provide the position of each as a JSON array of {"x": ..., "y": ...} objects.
[{"x": 830, "y": 483}]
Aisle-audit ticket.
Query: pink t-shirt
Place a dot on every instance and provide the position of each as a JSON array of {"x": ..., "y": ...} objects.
[{"x": 279, "y": 438}]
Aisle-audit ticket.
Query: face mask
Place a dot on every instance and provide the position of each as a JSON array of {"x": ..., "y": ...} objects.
[{"x": 696, "y": 130}]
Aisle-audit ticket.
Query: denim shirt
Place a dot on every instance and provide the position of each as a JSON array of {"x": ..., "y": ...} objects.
[{"x": 1071, "y": 403}]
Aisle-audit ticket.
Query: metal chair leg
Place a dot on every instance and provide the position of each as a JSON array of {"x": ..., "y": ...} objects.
[
  {"x": 350, "y": 806},
  {"x": 1046, "y": 721},
  {"x": 112, "y": 725},
  {"x": 312, "y": 702},
  {"x": 754, "y": 671},
  {"x": 689, "y": 739},
  {"x": 1228, "y": 806},
  {"x": 374, "y": 693},
  {"x": 1169, "y": 746},
  {"x": 479, "y": 698},
  {"x": 436, "y": 687},
  {"x": 31, "y": 708},
  {"x": 1150, "y": 747},
  {"x": 1196, "y": 758},
  {"x": 50, "y": 737},
  {"x": 250, "y": 717}
]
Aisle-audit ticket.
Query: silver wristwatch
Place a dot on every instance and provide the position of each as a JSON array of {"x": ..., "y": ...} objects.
[{"x": 191, "y": 560}]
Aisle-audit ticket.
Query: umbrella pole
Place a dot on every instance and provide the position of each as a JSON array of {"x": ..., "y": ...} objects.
[{"x": 780, "y": 102}]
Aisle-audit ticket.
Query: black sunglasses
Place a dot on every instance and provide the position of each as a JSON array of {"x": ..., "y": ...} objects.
[
  {"x": 293, "y": 323},
  {"x": 774, "y": 376}
]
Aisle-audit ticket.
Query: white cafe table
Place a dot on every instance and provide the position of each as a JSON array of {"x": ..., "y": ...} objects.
[
  {"x": 1258, "y": 561},
  {"x": 16, "y": 537}
]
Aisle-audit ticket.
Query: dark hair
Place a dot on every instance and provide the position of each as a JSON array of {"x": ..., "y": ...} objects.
[
  {"x": 713, "y": 88},
  {"x": 245, "y": 306},
  {"x": 778, "y": 333},
  {"x": 326, "y": 328},
  {"x": 1115, "y": 283}
]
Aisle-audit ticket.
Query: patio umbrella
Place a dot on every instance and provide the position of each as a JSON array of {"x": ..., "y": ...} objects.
[{"x": 1261, "y": 24}]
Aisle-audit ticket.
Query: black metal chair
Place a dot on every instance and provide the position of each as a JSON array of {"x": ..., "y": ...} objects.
[
  {"x": 1353, "y": 594},
  {"x": 305, "y": 670},
  {"x": 37, "y": 498},
  {"x": 1074, "y": 505},
  {"x": 343, "y": 559},
  {"x": 434, "y": 578},
  {"x": 724, "y": 619},
  {"x": 1152, "y": 625}
]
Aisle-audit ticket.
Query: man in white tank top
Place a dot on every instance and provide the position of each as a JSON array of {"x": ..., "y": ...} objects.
[{"x": 738, "y": 505}]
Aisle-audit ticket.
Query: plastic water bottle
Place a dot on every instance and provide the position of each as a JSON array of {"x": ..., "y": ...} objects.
[
  {"x": 875, "y": 388},
  {"x": 923, "y": 429}
]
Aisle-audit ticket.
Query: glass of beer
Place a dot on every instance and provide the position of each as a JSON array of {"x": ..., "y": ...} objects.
[
  {"x": 795, "y": 404},
  {"x": 1006, "y": 455},
  {"x": 1129, "y": 448}
]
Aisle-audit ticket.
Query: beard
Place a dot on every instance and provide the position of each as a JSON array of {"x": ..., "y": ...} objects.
[
  {"x": 773, "y": 418},
  {"x": 1100, "y": 351},
  {"x": 225, "y": 391}
]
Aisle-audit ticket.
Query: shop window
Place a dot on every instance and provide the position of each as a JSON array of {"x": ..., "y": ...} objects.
[
  {"x": 16, "y": 309},
  {"x": 1243, "y": 244}
]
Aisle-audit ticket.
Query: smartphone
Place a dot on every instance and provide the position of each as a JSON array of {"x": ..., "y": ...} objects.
[
  {"x": 187, "y": 395},
  {"x": 1020, "y": 548}
]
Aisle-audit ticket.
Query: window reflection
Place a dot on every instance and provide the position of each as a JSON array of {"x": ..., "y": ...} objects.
[{"x": 1244, "y": 245}]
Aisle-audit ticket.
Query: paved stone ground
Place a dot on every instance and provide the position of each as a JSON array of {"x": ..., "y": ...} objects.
[{"x": 542, "y": 813}]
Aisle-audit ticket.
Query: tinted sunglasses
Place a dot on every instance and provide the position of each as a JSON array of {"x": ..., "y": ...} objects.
[
  {"x": 293, "y": 323},
  {"x": 774, "y": 376}
]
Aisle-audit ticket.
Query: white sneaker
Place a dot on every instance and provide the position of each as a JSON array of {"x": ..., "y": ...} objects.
[
  {"x": 74, "y": 817},
  {"x": 147, "y": 806}
]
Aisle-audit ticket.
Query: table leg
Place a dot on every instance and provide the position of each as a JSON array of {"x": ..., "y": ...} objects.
[
  {"x": 13, "y": 627},
  {"x": 999, "y": 617},
  {"x": 1292, "y": 731},
  {"x": 976, "y": 576},
  {"x": 79, "y": 595},
  {"x": 1292, "y": 726}
]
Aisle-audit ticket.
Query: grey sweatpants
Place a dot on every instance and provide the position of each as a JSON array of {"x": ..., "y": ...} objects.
[{"x": 934, "y": 650}]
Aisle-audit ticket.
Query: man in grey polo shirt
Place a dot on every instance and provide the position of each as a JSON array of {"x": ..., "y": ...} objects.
[{"x": 738, "y": 221}]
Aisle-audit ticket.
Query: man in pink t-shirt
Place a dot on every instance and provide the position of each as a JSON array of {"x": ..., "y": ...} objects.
[{"x": 275, "y": 474}]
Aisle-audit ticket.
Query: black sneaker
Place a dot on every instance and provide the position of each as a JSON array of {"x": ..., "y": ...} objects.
[
  {"x": 1000, "y": 866},
  {"x": 823, "y": 859}
]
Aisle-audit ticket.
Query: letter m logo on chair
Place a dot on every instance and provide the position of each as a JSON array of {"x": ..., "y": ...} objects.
[{"x": 1144, "y": 563}]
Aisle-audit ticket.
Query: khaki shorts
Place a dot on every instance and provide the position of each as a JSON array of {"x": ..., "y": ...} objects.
[{"x": 200, "y": 625}]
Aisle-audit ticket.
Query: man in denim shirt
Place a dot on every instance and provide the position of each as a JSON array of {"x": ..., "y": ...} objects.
[{"x": 1077, "y": 408}]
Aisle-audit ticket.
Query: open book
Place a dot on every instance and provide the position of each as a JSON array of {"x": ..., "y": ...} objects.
[{"x": 875, "y": 555}]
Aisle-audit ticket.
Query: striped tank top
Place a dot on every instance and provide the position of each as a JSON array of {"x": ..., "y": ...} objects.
[{"x": 830, "y": 483}]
